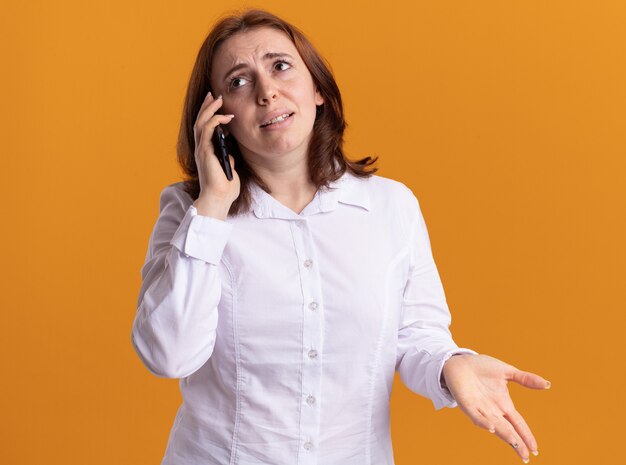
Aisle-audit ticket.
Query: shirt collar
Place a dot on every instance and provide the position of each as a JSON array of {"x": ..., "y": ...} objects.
[{"x": 348, "y": 189}]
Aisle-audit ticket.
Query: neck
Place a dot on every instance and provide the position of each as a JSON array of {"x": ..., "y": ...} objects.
[{"x": 287, "y": 177}]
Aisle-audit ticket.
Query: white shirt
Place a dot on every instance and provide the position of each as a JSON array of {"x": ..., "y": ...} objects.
[{"x": 286, "y": 329}]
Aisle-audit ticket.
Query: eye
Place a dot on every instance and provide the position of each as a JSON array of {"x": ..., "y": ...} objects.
[
  {"x": 279, "y": 63},
  {"x": 233, "y": 81}
]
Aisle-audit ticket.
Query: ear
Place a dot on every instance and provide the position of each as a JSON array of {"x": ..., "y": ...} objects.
[{"x": 319, "y": 99}]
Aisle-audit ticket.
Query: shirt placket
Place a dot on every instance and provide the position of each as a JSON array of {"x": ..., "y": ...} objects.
[{"x": 312, "y": 343}]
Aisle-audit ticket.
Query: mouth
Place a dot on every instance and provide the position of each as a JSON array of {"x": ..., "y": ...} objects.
[{"x": 278, "y": 119}]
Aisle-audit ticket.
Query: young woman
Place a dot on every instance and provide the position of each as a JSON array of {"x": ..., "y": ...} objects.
[{"x": 286, "y": 298}]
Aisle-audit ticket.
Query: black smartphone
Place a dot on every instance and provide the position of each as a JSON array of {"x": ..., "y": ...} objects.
[{"x": 219, "y": 144}]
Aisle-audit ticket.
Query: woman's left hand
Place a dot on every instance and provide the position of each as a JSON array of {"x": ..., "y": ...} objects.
[{"x": 479, "y": 385}]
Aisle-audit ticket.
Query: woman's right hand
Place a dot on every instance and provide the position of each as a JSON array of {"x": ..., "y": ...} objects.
[{"x": 217, "y": 193}]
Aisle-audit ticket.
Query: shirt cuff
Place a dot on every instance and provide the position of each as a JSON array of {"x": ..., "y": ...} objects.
[
  {"x": 445, "y": 398},
  {"x": 202, "y": 237}
]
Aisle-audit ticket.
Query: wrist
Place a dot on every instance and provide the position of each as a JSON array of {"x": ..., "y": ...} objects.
[
  {"x": 216, "y": 208},
  {"x": 442, "y": 379}
]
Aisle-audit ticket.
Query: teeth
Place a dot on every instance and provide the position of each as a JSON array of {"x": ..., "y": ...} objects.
[{"x": 277, "y": 119}]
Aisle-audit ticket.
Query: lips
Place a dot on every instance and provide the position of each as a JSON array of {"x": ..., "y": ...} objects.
[{"x": 276, "y": 117}]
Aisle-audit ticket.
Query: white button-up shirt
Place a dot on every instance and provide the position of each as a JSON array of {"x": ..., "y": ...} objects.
[{"x": 286, "y": 329}]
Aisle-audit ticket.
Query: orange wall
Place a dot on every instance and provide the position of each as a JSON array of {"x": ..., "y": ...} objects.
[{"x": 506, "y": 118}]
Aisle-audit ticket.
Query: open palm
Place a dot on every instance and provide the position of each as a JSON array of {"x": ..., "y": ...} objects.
[{"x": 479, "y": 385}]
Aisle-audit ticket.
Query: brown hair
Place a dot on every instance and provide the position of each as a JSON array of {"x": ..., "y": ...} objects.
[{"x": 326, "y": 144}]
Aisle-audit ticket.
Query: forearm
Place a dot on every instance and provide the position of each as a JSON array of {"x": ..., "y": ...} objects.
[{"x": 175, "y": 326}]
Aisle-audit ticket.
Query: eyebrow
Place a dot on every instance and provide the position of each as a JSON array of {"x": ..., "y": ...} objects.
[{"x": 267, "y": 56}]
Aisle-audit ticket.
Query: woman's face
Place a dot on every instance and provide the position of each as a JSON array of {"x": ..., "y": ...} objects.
[{"x": 261, "y": 76}]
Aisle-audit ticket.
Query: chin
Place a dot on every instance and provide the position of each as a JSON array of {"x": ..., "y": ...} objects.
[{"x": 279, "y": 147}]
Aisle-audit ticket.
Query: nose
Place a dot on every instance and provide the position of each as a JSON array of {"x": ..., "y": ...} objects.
[{"x": 266, "y": 90}]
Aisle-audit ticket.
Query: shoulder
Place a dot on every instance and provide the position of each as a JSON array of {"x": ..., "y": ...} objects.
[
  {"x": 390, "y": 194},
  {"x": 174, "y": 195},
  {"x": 388, "y": 185}
]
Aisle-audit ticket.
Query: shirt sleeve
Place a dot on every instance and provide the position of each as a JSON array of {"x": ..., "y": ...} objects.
[
  {"x": 174, "y": 329},
  {"x": 424, "y": 339}
]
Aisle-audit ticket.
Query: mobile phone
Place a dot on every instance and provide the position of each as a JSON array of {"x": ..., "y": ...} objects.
[{"x": 219, "y": 144}]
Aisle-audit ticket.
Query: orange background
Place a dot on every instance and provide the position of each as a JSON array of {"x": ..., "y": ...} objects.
[{"x": 506, "y": 118}]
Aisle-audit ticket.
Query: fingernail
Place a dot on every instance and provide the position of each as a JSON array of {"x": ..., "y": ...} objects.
[
  {"x": 492, "y": 429},
  {"x": 219, "y": 96},
  {"x": 548, "y": 384},
  {"x": 231, "y": 116},
  {"x": 535, "y": 453},
  {"x": 525, "y": 460}
]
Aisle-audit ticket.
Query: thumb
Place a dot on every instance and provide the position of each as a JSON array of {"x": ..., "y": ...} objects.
[{"x": 530, "y": 380}]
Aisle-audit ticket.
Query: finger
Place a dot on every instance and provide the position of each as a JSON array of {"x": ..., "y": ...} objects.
[
  {"x": 505, "y": 431},
  {"x": 522, "y": 429},
  {"x": 207, "y": 110},
  {"x": 209, "y": 127},
  {"x": 208, "y": 99},
  {"x": 530, "y": 380},
  {"x": 477, "y": 417}
]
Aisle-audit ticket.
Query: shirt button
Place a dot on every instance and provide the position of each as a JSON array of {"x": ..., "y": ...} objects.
[
  {"x": 312, "y": 353},
  {"x": 313, "y": 305},
  {"x": 308, "y": 262},
  {"x": 310, "y": 400},
  {"x": 308, "y": 445}
]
